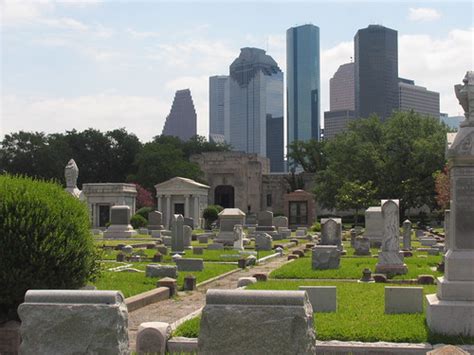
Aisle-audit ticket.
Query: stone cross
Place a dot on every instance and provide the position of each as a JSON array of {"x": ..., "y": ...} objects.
[{"x": 177, "y": 234}]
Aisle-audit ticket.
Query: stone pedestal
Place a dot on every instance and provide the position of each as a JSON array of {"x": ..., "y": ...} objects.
[
  {"x": 451, "y": 309},
  {"x": 228, "y": 218}
]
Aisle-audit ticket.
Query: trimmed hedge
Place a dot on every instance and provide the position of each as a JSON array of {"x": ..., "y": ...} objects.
[
  {"x": 45, "y": 241},
  {"x": 138, "y": 221}
]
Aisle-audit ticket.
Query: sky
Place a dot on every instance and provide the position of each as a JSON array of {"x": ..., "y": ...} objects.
[{"x": 111, "y": 64}]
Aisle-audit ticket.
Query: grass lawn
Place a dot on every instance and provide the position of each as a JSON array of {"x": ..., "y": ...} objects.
[
  {"x": 360, "y": 316},
  {"x": 351, "y": 268},
  {"x": 131, "y": 283}
]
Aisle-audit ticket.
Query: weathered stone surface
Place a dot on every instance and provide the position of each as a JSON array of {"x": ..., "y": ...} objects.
[
  {"x": 189, "y": 283},
  {"x": 428, "y": 242},
  {"x": 198, "y": 250},
  {"x": 229, "y": 321},
  {"x": 187, "y": 235},
  {"x": 177, "y": 234},
  {"x": 203, "y": 239},
  {"x": 155, "y": 220},
  {"x": 300, "y": 233},
  {"x": 228, "y": 218},
  {"x": 265, "y": 221},
  {"x": 362, "y": 246},
  {"x": 152, "y": 337},
  {"x": 280, "y": 222},
  {"x": 120, "y": 223},
  {"x": 263, "y": 241},
  {"x": 390, "y": 259},
  {"x": 69, "y": 321},
  {"x": 325, "y": 257},
  {"x": 190, "y": 264},
  {"x": 244, "y": 281},
  {"x": 168, "y": 282},
  {"x": 407, "y": 235},
  {"x": 331, "y": 232},
  {"x": 322, "y": 298},
  {"x": 403, "y": 299},
  {"x": 155, "y": 270},
  {"x": 374, "y": 225},
  {"x": 238, "y": 237}
]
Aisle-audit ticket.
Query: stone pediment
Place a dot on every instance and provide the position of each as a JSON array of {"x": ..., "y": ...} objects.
[
  {"x": 463, "y": 143},
  {"x": 180, "y": 184}
]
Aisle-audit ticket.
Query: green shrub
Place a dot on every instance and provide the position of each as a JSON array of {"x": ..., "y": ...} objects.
[
  {"x": 144, "y": 212},
  {"x": 45, "y": 241},
  {"x": 316, "y": 227},
  {"x": 210, "y": 214},
  {"x": 138, "y": 221}
]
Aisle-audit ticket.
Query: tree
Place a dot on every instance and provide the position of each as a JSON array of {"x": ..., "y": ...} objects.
[
  {"x": 355, "y": 196},
  {"x": 307, "y": 154},
  {"x": 398, "y": 156},
  {"x": 144, "y": 197},
  {"x": 442, "y": 188}
]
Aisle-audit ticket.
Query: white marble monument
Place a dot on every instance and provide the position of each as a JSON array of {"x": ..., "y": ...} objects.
[
  {"x": 451, "y": 309},
  {"x": 71, "y": 173}
]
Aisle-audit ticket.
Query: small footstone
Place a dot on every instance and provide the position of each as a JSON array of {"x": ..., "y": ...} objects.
[
  {"x": 426, "y": 280},
  {"x": 260, "y": 276},
  {"x": 293, "y": 257},
  {"x": 300, "y": 253},
  {"x": 244, "y": 281},
  {"x": 380, "y": 278}
]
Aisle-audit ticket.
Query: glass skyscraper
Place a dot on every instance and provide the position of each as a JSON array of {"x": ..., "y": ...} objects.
[
  {"x": 256, "y": 106},
  {"x": 376, "y": 71},
  {"x": 303, "y": 83},
  {"x": 218, "y": 89}
]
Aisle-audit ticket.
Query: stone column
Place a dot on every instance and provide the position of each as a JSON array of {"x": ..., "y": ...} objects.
[
  {"x": 196, "y": 216},
  {"x": 447, "y": 224},
  {"x": 186, "y": 206},
  {"x": 168, "y": 211},
  {"x": 160, "y": 203}
]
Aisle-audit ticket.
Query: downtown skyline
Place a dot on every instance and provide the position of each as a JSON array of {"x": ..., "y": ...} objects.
[{"x": 68, "y": 66}]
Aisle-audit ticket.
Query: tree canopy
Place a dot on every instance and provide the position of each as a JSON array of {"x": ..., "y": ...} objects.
[{"x": 397, "y": 157}]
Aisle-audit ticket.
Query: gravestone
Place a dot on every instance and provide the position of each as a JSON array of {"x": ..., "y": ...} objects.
[
  {"x": 203, "y": 239},
  {"x": 284, "y": 232},
  {"x": 331, "y": 232},
  {"x": 361, "y": 246},
  {"x": 256, "y": 322},
  {"x": 353, "y": 233},
  {"x": 152, "y": 337},
  {"x": 403, "y": 300},
  {"x": 177, "y": 234},
  {"x": 190, "y": 264},
  {"x": 228, "y": 218},
  {"x": 390, "y": 259},
  {"x": 263, "y": 241},
  {"x": 167, "y": 240},
  {"x": 69, "y": 321},
  {"x": 120, "y": 223},
  {"x": 325, "y": 257},
  {"x": 215, "y": 246},
  {"x": 198, "y": 250},
  {"x": 451, "y": 310},
  {"x": 238, "y": 237},
  {"x": 187, "y": 235},
  {"x": 280, "y": 221},
  {"x": 188, "y": 221},
  {"x": 251, "y": 220},
  {"x": 300, "y": 233},
  {"x": 265, "y": 222},
  {"x": 155, "y": 220},
  {"x": 374, "y": 225},
  {"x": 156, "y": 270},
  {"x": 407, "y": 235},
  {"x": 322, "y": 298}
]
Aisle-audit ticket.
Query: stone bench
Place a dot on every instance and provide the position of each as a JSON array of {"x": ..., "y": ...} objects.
[{"x": 257, "y": 322}]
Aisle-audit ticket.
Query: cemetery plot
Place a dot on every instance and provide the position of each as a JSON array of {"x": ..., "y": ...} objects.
[
  {"x": 134, "y": 282},
  {"x": 360, "y": 316}
]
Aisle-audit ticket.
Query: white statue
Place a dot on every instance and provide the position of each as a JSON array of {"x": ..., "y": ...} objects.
[
  {"x": 71, "y": 173},
  {"x": 465, "y": 95},
  {"x": 238, "y": 237}
]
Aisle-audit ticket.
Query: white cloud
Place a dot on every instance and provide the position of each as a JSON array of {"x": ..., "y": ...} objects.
[
  {"x": 423, "y": 14},
  {"x": 142, "y": 115},
  {"x": 17, "y": 12},
  {"x": 142, "y": 34},
  {"x": 64, "y": 23}
]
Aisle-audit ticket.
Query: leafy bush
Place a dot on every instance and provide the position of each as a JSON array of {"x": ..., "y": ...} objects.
[
  {"x": 144, "y": 212},
  {"x": 138, "y": 221},
  {"x": 45, "y": 238},
  {"x": 316, "y": 227},
  {"x": 211, "y": 213}
]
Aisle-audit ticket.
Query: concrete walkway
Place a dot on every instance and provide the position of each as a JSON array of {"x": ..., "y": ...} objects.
[{"x": 173, "y": 309}]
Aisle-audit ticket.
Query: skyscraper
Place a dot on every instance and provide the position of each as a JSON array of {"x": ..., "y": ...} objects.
[
  {"x": 418, "y": 98},
  {"x": 255, "y": 103},
  {"x": 181, "y": 121},
  {"x": 303, "y": 83},
  {"x": 218, "y": 89},
  {"x": 341, "y": 101},
  {"x": 376, "y": 71}
]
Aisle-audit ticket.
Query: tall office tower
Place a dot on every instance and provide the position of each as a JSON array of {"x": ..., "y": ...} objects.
[
  {"x": 255, "y": 104},
  {"x": 341, "y": 88},
  {"x": 341, "y": 101},
  {"x": 376, "y": 71},
  {"x": 418, "y": 98},
  {"x": 218, "y": 89},
  {"x": 181, "y": 122},
  {"x": 303, "y": 84}
]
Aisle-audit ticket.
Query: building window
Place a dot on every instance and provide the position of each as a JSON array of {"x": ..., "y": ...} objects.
[{"x": 269, "y": 200}]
